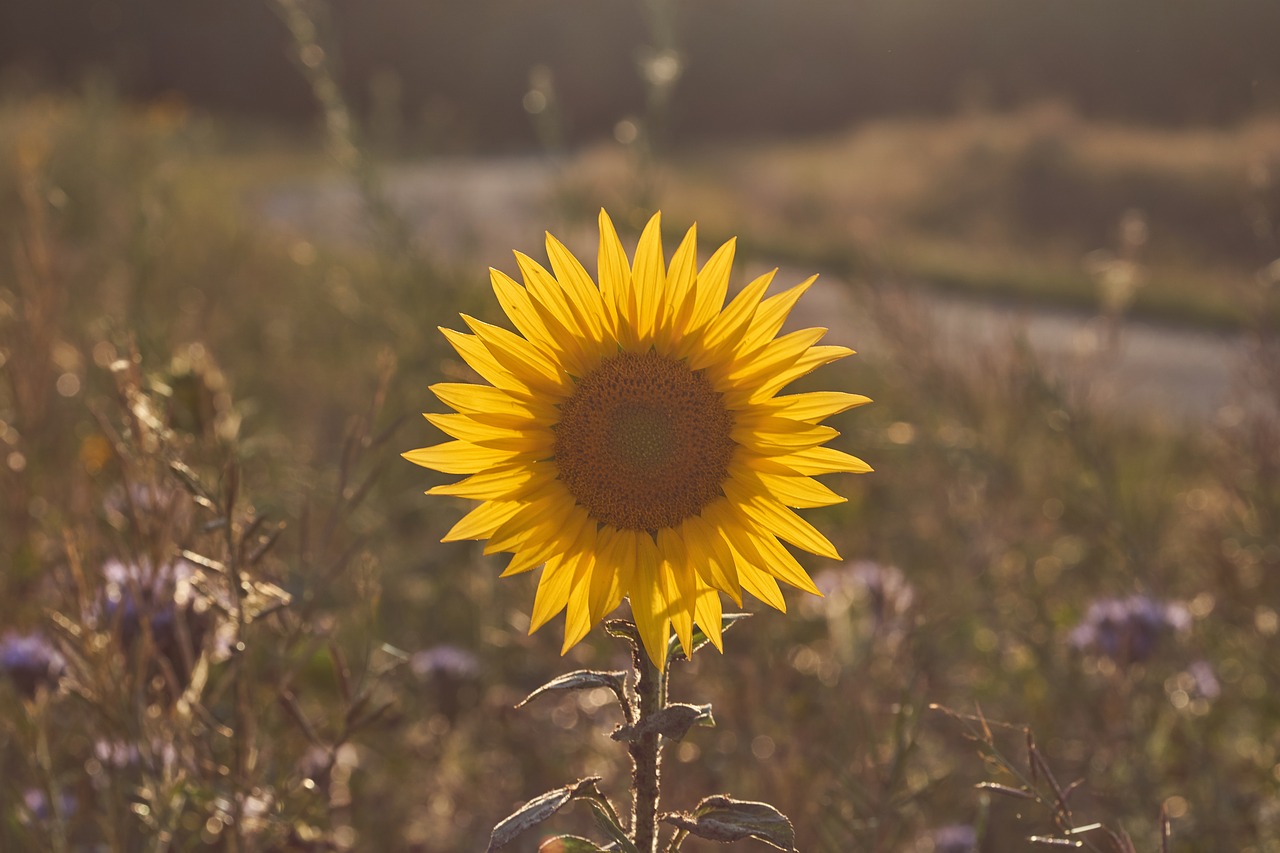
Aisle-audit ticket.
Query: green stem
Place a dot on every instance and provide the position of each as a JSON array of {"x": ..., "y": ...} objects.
[
  {"x": 646, "y": 752},
  {"x": 53, "y": 795}
]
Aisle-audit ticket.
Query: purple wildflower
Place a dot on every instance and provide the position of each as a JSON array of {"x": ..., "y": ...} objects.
[
  {"x": 887, "y": 591},
  {"x": 35, "y": 805},
  {"x": 444, "y": 661},
  {"x": 883, "y": 589},
  {"x": 451, "y": 674},
  {"x": 122, "y": 755},
  {"x": 116, "y": 754},
  {"x": 881, "y": 592},
  {"x": 138, "y": 598},
  {"x": 956, "y": 838},
  {"x": 31, "y": 662},
  {"x": 1128, "y": 630}
]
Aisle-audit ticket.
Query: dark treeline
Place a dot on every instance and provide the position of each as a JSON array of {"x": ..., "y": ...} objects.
[{"x": 461, "y": 67}]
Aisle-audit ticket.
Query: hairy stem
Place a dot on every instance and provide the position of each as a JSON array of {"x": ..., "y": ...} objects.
[{"x": 646, "y": 752}]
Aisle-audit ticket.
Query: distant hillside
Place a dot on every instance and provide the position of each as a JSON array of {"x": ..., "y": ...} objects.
[{"x": 454, "y": 72}]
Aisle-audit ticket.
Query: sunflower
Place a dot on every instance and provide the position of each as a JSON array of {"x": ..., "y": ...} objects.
[{"x": 631, "y": 440}]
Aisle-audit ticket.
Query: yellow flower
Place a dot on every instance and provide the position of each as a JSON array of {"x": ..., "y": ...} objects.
[{"x": 631, "y": 439}]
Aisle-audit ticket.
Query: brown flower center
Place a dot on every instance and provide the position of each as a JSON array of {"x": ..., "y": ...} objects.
[{"x": 644, "y": 442}]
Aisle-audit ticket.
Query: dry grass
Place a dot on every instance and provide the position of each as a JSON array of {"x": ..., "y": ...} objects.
[{"x": 1007, "y": 501}]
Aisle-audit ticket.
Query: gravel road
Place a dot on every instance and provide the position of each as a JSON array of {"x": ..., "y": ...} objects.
[{"x": 479, "y": 209}]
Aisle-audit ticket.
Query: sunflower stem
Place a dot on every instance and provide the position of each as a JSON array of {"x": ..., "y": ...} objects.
[{"x": 646, "y": 752}]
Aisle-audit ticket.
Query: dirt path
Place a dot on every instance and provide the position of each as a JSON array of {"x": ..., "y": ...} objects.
[{"x": 478, "y": 210}]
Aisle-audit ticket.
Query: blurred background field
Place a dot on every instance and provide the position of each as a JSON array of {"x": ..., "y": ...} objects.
[{"x": 230, "y": 232}]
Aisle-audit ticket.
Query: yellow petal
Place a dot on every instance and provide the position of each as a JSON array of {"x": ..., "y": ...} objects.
[
  {"x": 553, "y": 307},
  {"x": 681, "y": 292},
  {"x": 521, "y": 562},
  {"x": 529, "y": 364},
  {"x": 546, "y": 542},
  {"x": 604, "y": 575},
  {"x": 767, "y": 514},
  {"x": 791, "y": 490},
  {"x": 577, "y": 617},
  {"x": 598, "y": 575},
  {"x": 546, "y": 291},
  {"x": 613, "y": 574},
  {"x": 614, "y": 276},
  {"x": 712, "y": 286},
  {"x": 479, "y": 359},
  {"x": 768, "y": 362},
  {"x": 679, "y": 586},
  {"x": 779, "y": 435},
  {"x": 770, "y": 316},
  {"x": 518, "y": 306},
  {"x": 748, "y": 562},
  {"x": 459, "y": 457},
  {"x": 493, "y": 404},
  {"x": 708, "y": 612},
  {"x": 716, "y": 344},
  {"x": 649, "y": 603},
  {"x": 706, "y": 541},
  {"x": 762, "y": 586},
  {"x": 813, "y": 406},
  {"x": 553, "y": 591},
  {"x": 818, "y": 460},
  {"x": 483, "y": 520},
  {"x": 648, "y": 278},
  {"x": 541, "y": 519},
  {"x": 776, "y": 560},
  {"x": 753, "y": 569},
  {"x": 484, "y": 434},
  {"x": 813, "y": 359},
  {"x": 579, "y": 287},
  {"x": 510, "y": 482}
]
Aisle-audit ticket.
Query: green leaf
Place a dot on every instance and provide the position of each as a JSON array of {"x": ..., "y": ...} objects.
[
  {"x": 583, "y": 679},
  {"x": 673, "y": 721},
  {"x": 722, "y": 818},
  {"x": 676, "y": 652},
  {"x": 606, "y": 819},
  {"x": 539, "y": 809},
  {"x": 569, "y": 844}
]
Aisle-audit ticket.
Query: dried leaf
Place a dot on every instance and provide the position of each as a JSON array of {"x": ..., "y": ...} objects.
[
  {"x": 673, "y": 721},
  {"x": 623, "y": 629},
  {"x": 583, "y": 679},
  {"x": 539, "y": 809},
  {"x": 724, "y": 819}
]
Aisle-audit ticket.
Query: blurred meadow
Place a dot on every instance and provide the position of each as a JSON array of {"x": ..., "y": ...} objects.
[{"x": 228, "y": 236}]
